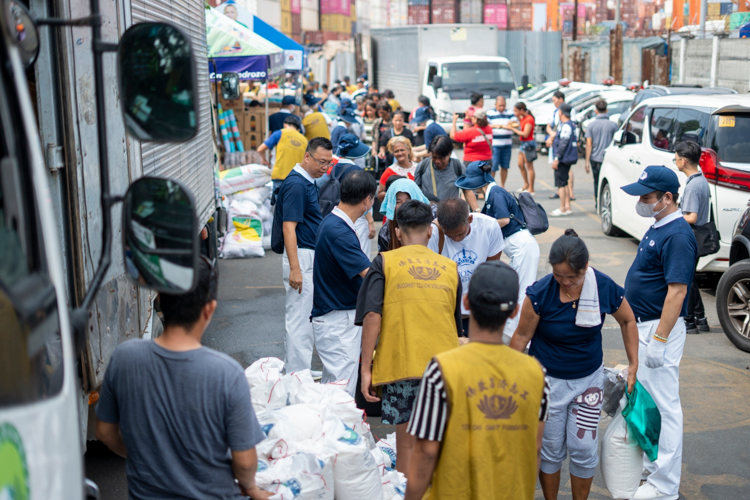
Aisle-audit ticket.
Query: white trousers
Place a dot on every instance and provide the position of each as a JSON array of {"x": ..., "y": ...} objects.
[
  {"x": 299, "y": 334},
  {"x": 362, "y": 228},
  {"x": 523, "y": 251},
  {"x": 339, "y": 343},
  {"x": 663, "y": 384}
]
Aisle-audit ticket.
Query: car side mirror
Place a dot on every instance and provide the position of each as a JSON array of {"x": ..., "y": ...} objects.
[
  {"x": 22, "y": 31},
  {"x": 437, "y": 82},
  {"x": 619, "y": 137},
  {"x": 158, "y": 83},
  {"x": 160, "y": 235},
  {"x": 230, "y": 86}
]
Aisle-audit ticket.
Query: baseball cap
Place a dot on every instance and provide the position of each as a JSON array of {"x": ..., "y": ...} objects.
[
  {"x": 288, "y": 99},
  {"x": 566, "y": 109},
  {"x": 311, "y": 100},
  {"x": 351, "y": 147},
  {"x": 421, "y": 115},
  {"x": 654, "y": 178},
  {"x": 480, "y": 114},
  {"x": 475, "y": 176},
  {"x": 494, "y": 286},
  {"x": 347, "y": 115}
]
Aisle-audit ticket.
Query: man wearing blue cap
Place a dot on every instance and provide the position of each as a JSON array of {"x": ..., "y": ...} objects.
[
  {"x": 657, "y": 289},
  {"x": 423, "y": 118},
  {"x": 276, "y": 120}
]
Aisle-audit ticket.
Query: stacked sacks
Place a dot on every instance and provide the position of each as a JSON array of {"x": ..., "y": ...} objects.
[
  {"x": 318, "y": 444},
  {"x": 247, "y": 198}
]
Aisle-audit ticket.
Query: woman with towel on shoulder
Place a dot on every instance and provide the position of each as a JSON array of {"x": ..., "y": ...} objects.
[{"x": 562, "y": 317}]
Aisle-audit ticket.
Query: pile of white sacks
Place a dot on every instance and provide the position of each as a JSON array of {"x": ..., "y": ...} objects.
[
  {"x": 247, "y": 198},
  {"x": 318, "y": 445}
]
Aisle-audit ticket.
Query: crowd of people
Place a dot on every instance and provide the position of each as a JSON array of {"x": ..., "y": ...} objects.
[{"x": 492, "y": 378}]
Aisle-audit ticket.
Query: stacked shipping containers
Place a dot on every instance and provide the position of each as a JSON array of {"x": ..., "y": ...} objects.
[
  {"x": 286, "y": 17},
  {"x": 419, "y": 11},
  {"x": 335, "y": 16},
  {"x": 309, "y": 15},
  {"x": 471, "y": 11},
  {"x": 398, "y": 12},
  {"x": 496, "y": 13},
  {"x": 520, "y": 15},
  {"x": 444, "y": 11},
  {"x": 378, "y": 14}
]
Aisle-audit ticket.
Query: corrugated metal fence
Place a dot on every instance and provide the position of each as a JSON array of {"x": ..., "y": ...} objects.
[
  {"x": 598, "y": 58},
  {"x": 532, "y": 53}
]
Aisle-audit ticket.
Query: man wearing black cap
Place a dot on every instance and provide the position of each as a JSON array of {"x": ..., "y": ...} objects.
[
  {"x": 565, "y": 148},
  {"x": 276, "y": 120},
  {"x": 479, "y": 416},
  {"x": 657, "y": 288}
]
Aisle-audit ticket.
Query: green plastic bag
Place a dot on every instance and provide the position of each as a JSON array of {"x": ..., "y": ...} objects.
[{"x": 644, "y": 420}]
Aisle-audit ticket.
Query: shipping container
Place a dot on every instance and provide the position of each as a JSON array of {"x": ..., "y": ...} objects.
[
  {"x": 539, "y": 16},
  {"x": 286, "y": 5},
  {"x": 419, "y": 14},
  {"x": 444, "y": 12},
  {"x": 470, "y": 11},
  {"x": 335, "y": 22},
  {"x": 296, "y": 24},
  {"x": 418, "y": 2},
  {"x": 270, "y": 10},
  {"x": 726, "y": 9},
  {"x": 286, "y": 22},
  {"x": 310, "y": 19},
  {"x": 520, "y": 17},
  {"x": 496, "y": 14},
  {"x": 398, "y": 13},
  {"x": 378, "y": 14},
  {"x": 335, "y": 7},
  {"x": 295, "y": 6},
  {"x": 310, "y": 4}
]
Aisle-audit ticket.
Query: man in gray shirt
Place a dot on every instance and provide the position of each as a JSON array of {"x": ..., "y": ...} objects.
[
  {"x": 180, "y": 413},
  {"x": 599, "y": 135},
  {"x": 439, "y": 173},
  {"x": 695, "y": 204}
]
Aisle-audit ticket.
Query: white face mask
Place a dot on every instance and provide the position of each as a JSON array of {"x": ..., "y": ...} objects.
[{"x": 647, "y": 209}]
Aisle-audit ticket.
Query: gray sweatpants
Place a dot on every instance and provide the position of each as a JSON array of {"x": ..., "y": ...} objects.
[{"x": 571, "y": 428}]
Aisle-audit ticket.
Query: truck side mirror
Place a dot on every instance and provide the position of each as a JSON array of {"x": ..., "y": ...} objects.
[
  {"x": 158, "y": 83},
  {"x": 22, "y": 31},
  {"x": 437, "y": 82},
  {"x": 230, "y": 86},
  {"x": 160, "y": 235}
]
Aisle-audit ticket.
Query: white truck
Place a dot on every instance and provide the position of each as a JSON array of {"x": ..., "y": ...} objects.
[
  {"x": 444, "y": 62},
  {"x": 74, "y": 107}
]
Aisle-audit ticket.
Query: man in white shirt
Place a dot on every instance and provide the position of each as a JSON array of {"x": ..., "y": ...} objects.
[
  {"x": 468, "y": 239},
  {"x": 502, "y": 139}
]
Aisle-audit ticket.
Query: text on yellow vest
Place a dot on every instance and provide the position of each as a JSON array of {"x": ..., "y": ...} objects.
[
  {"x": 418, "y": 313},
  {"x": 289, "y": 151},
  {"x": 489, "y": 446},
  {"x": 316, "y": 126}
]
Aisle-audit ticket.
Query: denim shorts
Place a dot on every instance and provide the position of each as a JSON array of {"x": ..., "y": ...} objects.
[
  {"x": 398, "y": 400},
  {"x": 501, "y": 157}
]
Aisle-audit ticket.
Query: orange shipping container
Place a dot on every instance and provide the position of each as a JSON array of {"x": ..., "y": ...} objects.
[{"x": 553, "y": 13}]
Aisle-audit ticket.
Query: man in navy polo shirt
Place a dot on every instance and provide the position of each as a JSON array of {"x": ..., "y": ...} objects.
[
  {"x": 296, "y": 220},
  {"x": 657, "y": 289},
  {"x": 339, "y": 268}
]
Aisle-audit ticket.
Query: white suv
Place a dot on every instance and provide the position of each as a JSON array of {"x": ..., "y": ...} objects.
[{"x": 719, "y": 123}]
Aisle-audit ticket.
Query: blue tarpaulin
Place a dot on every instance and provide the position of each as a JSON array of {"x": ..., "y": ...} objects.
[{"x": 294, "y": 53}]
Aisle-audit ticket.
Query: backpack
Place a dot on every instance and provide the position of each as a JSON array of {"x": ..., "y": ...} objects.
[
  {"x": 533, "y": 212},
  {"x": 329, "y": 194},
  {"x": 277, "y": 229}
]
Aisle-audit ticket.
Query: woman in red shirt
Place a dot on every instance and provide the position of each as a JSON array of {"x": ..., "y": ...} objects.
[
  {"x": 403, "y": 164},
  {"x": 527, "y": 152},
  {"x": 477, "y": 139}
]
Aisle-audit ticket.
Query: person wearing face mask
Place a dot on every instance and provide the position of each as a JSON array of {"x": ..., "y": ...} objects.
[
  {"x": 467, "y": 239},
  {"x": 657, "y": 287},
  {"x": 410, "y": 322},
  {"x": 562, "y": 316},
  {"x": 339, "y": 267}
]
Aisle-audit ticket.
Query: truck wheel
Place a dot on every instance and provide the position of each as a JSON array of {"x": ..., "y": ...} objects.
[
  {"x": 733, "y": 304},
  {"x": 605, "y": 210}
]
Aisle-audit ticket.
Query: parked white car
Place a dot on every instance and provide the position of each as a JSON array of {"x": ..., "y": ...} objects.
[
  {"x": 719, "y": 123},
  {"x": 618, "y": 102}
]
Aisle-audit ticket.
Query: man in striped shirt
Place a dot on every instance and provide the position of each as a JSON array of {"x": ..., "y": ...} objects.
[
  {"x": 479, "y": 415},
  {"x": 502, "y": 139}
]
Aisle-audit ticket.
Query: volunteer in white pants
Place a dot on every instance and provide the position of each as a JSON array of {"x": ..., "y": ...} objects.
[
  {"x": 657, "y": 288},
  {"x": 351, "y": 149},
  {"x": 520, "y": 244},
  {"x": 339, "y": 268},
  {"x": 296, "y": 220}
]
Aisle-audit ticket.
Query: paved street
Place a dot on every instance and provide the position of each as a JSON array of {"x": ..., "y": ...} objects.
[{"x": 715, "y": 377}]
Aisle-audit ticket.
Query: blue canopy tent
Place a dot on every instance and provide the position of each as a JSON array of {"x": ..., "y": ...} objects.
[{"x": 294, "y": 53}]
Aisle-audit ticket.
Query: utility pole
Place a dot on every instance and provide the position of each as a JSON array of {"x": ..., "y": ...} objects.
[
  {"x": 702, "y": 23},
  {"x": 617, "y": 12},
  {"x": 615, "y": 48},
  {"x": 575, "y": 20}
]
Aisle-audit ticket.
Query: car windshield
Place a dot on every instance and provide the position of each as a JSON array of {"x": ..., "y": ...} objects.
[
  {"x": 536, "y": 92},
  {"x": 732, "y": 137},
  {"x": 491, "y": 77}
]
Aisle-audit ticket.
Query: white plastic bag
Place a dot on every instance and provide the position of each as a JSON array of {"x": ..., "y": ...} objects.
[
  {"x": 338, "y": 403},
  {"x": 244, "y": 237},
  {"x": 245, "y": 177},
  {"x": 621, "y": 457},
  {"x": 394, "y": 485},
  {"x": 355, "y": 472},
  {"x": 264, "y": 370},
  {"x": 388, "y": 447},
  {"x": 300, "y": 476},
  {"x": 257, "y": 195},
  {"x": 292, "y": 423}
]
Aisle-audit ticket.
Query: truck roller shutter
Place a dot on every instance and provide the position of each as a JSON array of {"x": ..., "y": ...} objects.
[{"x": 190, "y": 162}]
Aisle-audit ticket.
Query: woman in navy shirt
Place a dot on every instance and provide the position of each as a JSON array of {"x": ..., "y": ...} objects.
[{"x": 563, "y": 320}]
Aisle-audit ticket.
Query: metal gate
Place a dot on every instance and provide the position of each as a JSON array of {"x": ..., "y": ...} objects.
[{"x": 190, "y": 162}]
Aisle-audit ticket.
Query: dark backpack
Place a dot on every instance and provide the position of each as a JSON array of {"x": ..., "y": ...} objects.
[
  {"x": 277, "y": 229},
  {"x": 329, "y": 194},
  {"x": 533, "y": 212}
]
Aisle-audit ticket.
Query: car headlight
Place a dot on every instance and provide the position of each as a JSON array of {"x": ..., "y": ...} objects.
[{"x": 445, "y": 116}]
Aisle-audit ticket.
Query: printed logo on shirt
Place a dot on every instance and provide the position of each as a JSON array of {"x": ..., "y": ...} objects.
[
  {"x": 295, "y": 143},
  {"x": 424, "y": 273},
  {"x": 499, "y": 403},
  {"x": 651, "y": 243},
  {"x": 465, "y": 257}
]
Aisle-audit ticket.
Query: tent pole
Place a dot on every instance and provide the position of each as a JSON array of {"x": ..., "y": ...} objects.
[{"x": 266, "y": 103}]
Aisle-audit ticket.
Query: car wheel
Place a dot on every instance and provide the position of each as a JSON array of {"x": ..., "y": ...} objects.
[
  {"x": 605, "y": 210},
  {"x": 733, "y": 304}
]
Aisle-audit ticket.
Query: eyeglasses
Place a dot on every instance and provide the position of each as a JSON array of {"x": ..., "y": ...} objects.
[{"x": 322, "y": 163}]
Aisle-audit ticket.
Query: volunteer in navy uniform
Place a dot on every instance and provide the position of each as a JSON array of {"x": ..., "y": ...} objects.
[
  {"x": 296, "y": 220},
  {"x": 339, "y": 268},
  {"x": 657, "y": 288},
  {"x": 520, "y": 244}
]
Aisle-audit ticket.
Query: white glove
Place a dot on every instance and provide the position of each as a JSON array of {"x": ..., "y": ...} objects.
[{"x": 655, "y": 353}]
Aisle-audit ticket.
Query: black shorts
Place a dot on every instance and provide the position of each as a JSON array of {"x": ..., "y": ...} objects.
[
  {"x": 398, "y": 400},
  {"x": 561, "y": 174}
]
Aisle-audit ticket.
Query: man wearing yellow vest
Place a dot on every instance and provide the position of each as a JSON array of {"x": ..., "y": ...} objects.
[
  {"x": 479, "y": 417},
  {"x": 316, "y": 124},
  {"x": 287, "y": 149},
  {"x": 409, "y": 304}
]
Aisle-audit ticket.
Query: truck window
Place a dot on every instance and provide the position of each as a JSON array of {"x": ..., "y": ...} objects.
[
  {"x": 31, "y": 365},
  {"x": 662, "y": 128},
  {"x": 478, "y": 76},
  {"x": 431, "y": 74},
  {"x": 731, "y": 137}
]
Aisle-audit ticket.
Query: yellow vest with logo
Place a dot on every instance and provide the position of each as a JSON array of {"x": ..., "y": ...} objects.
[
  {"x": 289, "y": 151},
  {"x": 418, "y": 313},
  {"x": 316, "y": 126},
  {"x": 489, "y": 445}
]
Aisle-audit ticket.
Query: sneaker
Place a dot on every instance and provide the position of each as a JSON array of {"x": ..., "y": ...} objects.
[
  {"x": 650, "y": 492},
  {"x": 559, "y": 213},
  {"x": 691, "y": 327},
  {"x": 702, "y": 324},
  {"x": 554, "y": 196},
  {"x": 316, "y": 375}
]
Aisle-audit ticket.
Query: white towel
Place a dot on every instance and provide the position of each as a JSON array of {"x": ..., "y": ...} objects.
[{"x": 588, "y": 314}]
